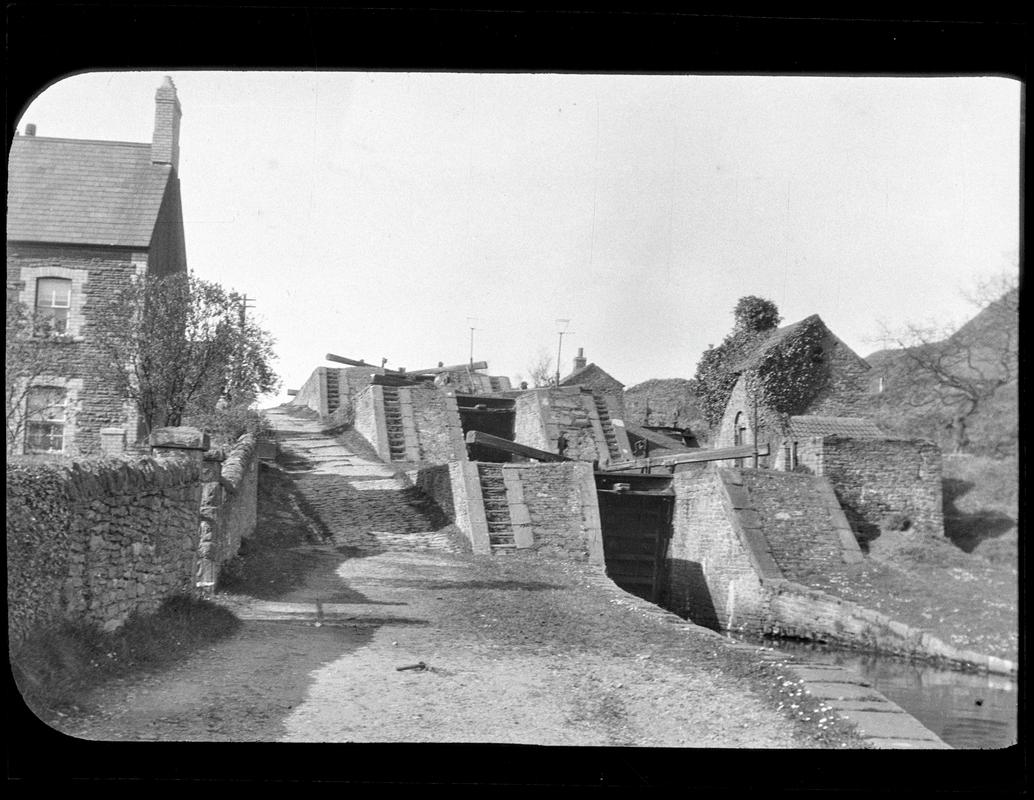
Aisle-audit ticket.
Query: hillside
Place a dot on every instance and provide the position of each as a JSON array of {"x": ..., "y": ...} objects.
[{"x": 981, "y": 352}]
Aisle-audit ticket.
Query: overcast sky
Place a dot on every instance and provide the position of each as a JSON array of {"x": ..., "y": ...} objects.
[{"x": 385, "y": 214}]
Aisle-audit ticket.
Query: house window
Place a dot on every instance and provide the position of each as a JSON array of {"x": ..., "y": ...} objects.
[
  {"x": 53, "y": 299},
  {"x": 45, "y": 420}
]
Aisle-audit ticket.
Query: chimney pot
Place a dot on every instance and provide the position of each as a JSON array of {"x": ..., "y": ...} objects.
[{"x": 30, "y": 129}]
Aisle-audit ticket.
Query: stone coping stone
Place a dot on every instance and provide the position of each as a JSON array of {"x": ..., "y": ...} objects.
[
  {"x": 909, "y": 744},
  {"x": 841, "y": 691},
  {"x": 890, "y": 725},
  {"x": 184, "y": 438},
  {"x": 880, "y": 704},
  {"x": 829, "y": 674}
]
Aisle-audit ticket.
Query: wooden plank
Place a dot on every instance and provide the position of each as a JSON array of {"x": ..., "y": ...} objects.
[
  {"x": 453, "y": 368},
  {"x": 506, "y": 446},
  {"x": 721, "y": 454}
]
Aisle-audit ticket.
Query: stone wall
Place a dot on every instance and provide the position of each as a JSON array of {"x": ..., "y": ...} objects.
[
  {"x": 557, "y": 501},
  {"x": 846, "y": 392},
  {"x": 552, "y": 507},
  {"x": 98, "y": 541},
  {"x": 798, "y": 611},
  {"x": 229, "y": 502},
  {"x": 713, "y": 574},
  {"x": 313, "y": 393},
  {"x": 543, "y": 414},
  {"x": 803, "y": 526},
  {"x": 877, "y": 478},
  {"x": 436, "y": 424},
  {"x": 350, "y": 382},
  {"x": 369, "y": 420},
  {"x": 457, "y": 491}
]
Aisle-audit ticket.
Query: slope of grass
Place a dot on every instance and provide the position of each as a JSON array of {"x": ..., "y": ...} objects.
[{"x": 55, "y": 668}]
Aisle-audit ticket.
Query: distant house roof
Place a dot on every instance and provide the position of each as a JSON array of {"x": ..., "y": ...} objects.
[
  {"x": 852, "y": 427},
  {"x": 76, "y": 191},
  {"x": 590, "y": 372}
]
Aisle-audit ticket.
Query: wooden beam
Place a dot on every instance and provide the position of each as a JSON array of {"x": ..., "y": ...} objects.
[
  {"x": 721, "y": 454},
  {"x": 506, "y": 446},
  {"x": 453, "y": 368},
  {"x": 360, "y": 363}
]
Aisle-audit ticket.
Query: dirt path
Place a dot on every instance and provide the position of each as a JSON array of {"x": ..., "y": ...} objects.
[{"x": 517, "y": 649}]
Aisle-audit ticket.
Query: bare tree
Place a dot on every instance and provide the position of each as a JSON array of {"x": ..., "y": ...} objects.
[
  {"x": 541, "y": 370},
  {"x": 954, "y": 374}
]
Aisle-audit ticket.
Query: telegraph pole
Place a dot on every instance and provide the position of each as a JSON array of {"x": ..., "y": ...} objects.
[
  {"x": 563, "y": 323},
  {"x": 244, "y": 309},
  {"x": 470, "y": 321}
]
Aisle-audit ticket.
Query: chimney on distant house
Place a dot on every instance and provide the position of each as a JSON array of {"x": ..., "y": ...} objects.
[
  {"x": 30, "y": 129},
  {"x": 165, "y": 146},
  {"x": 579, "y": 360}
]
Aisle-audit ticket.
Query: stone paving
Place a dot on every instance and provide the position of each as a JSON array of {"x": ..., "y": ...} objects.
[{"x": 362, "y": 503}]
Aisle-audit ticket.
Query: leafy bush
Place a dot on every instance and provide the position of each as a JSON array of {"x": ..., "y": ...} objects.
[
  {"x": 715, "y": 375},
  {"x": 227, "y": 425}
]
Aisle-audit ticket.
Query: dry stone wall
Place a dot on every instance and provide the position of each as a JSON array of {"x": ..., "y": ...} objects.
[{"x": 98, "y": 541}]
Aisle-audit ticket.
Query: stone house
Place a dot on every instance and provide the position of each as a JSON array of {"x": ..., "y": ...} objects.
[
  {"x": 876, "y": 478},
  {"x": 599, "y": 381},
  {"x": 84, "y": 217}
]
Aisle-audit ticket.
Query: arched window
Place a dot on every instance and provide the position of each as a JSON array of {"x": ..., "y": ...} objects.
[{"x": 53, "y": 300}]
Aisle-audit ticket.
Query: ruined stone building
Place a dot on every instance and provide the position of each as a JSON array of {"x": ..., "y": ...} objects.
[{"x": 83, "y": 218}]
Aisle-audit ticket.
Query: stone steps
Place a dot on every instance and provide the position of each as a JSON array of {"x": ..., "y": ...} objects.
[{"x": 497, "y": 509}]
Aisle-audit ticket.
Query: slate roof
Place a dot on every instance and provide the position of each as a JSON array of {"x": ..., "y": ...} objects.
[
  {"x": 77, "y": 191},
  {"x": 851, "y": 427},
  {"x": 580, "y": 374}
]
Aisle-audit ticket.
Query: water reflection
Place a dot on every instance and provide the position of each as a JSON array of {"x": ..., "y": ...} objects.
[{"x": 967, "y": 710}]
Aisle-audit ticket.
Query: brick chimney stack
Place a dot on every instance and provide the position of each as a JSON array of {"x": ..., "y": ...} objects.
[
  {"x": 579, "y": 360},
  {"x": 30, "y": 130},
  {"x": 165, "y": 146}
]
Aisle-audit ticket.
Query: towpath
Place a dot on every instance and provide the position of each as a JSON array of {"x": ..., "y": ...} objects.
[{"x": 515, "y": 649}]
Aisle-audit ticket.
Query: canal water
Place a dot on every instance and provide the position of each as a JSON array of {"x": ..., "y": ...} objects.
[{"x": 966, "y": 710}]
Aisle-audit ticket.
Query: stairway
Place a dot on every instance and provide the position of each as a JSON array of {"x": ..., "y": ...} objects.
[
  {"x": 333, "y": 391},
  {"x": 497, "y": 510},
  {"x": 608, "y": 426},
  {"x": 393, "y": 424}
]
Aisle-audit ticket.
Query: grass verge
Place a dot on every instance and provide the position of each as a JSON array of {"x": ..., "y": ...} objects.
[{"x": 56, "y": 668}]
